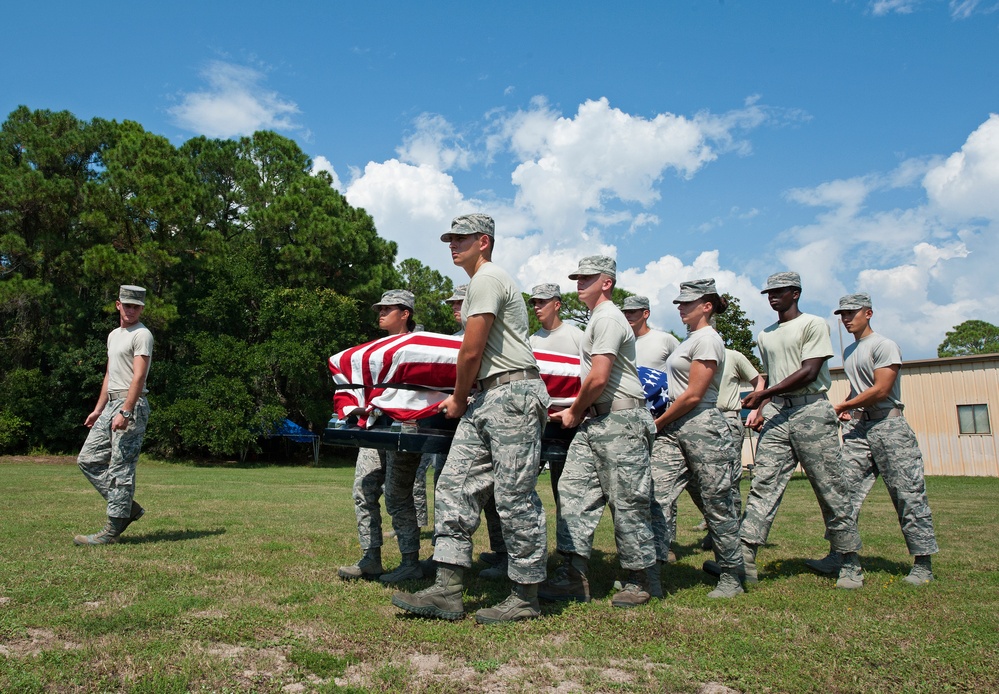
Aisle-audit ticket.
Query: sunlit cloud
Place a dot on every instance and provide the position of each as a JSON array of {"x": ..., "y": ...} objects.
[{"x": 234, "y": 103}]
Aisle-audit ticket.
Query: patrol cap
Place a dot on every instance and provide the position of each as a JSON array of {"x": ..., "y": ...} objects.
[
  {"x": 471, "y": 224},
  {"x": 698, "y": 289},
  {"x": 595, "y": 265},
  {"x": 853, "y": 302},
  {"x": 131, "y": 294},
  {"x": 695, "y": 289},
  {"x": 458, "y": 295},
  {"x": 396, "y": 297},
  {"x": 779, "y": 280},
  {"x": 636, "y": 302},
  {"x": 546, "y": 291}
]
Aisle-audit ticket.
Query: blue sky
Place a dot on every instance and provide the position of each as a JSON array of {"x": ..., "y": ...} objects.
[{"x": 853, "y": 141}]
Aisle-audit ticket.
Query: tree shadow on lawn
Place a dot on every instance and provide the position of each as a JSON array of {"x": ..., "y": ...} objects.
[{"x": 169, "y": 536}]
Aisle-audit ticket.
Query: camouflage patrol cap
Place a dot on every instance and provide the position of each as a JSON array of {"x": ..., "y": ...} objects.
[
  {"x": 546, "y": 291},
  {"x": 595, "y": 265},
  {"x": 131, "y": 294},
  {"x": 396, "y": 297},
  {"x": 695, "y": 289},
  {"x": 635, "y": 303},
  {"x": 458, "y": 295},
  {"x": 853, "y": 302},
  {"x": 471, "y": 224},
  {"x": 779, "y": 280}
]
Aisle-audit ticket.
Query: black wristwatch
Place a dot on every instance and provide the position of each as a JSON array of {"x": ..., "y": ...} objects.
[{"x": 126, "y": 414}]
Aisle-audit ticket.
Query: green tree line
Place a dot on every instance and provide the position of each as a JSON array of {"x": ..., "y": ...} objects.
[{"x": 256, "y": 272}]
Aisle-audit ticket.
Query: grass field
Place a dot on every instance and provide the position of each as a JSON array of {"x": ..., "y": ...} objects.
[{"x": 229, "y": 584}]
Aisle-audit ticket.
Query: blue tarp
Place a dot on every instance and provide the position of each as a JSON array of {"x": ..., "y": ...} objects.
[
  {"x": 293, "y": 432},
  {"x": 290, "y": 430}
]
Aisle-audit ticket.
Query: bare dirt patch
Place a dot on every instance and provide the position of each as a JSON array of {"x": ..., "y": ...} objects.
[
  {"x": 36, "y": 641},
  {"x": 38, "y": 459}
]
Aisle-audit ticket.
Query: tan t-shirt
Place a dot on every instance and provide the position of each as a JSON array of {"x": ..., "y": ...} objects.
[
  {"x": 653, "y": 349},
  {"x": 701, "y": 345},
  {"x": 863, "y": 357},
  {"x": 608, "y": 332},
  {"x": 124, "y": 344},
  {"x": 738, "y": 370},
  {"x": 565, "y": 339},
  {"x": 492, "y": 291},
  {"x": 784, "y": 346}
]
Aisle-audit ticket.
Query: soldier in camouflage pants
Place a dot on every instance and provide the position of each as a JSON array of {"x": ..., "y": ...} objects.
[
  {"x": 108, "y": 458},
  {"x": 505, "y": 462},
  {"x": 497, "y": 444},
  {"x": 806, "y": 434},
  {"x": 118, "y": 421},
  {"x": 888, "y": 447},
  {"x": 797, "y": 424},
  {"x": 694, "y": 433},
  {"x": 607, "y": 464},
  {"x": 878, "y": 440},
  {"x": 394, "y": 471}
]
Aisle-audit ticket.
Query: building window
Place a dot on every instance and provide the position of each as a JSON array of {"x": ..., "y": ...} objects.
[{"x": 973, "y": 419}]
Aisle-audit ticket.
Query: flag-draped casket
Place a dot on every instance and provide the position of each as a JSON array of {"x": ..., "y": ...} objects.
[{"x": 407, "y": 376}]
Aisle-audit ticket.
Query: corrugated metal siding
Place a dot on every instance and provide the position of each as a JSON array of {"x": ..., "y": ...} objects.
[{"x": 931, "y": 391}]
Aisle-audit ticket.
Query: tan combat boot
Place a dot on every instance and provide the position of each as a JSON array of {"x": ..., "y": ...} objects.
[
  {"x": 441, "y": 600},
  {"x": 108, "y": 535},
  {"x": 568, "y": 582},
  {"x": 521, "y": 604},
  {"x": 635, "y": 591},
  {"x": 728, "y": 586},
  {"x": 369, "y": 567},
  {"x": 409, "y": 570}
]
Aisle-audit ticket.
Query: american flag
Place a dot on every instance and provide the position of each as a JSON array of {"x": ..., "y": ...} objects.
[
  {"x": 407, "y": 376},
  {"x": 656, "y": 388}
]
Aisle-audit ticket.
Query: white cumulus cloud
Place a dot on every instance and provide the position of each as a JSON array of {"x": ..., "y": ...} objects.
[
  {"x": 966, "y": 185},
  {"x": 321, "y": 163},
  {"x": 234, "y": 103},
  {"x": 411, "y": 205},
  {"x": 435, "y": 143}
]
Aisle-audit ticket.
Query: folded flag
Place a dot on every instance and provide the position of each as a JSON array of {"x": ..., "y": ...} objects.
[{"x": 656, "y": 388}]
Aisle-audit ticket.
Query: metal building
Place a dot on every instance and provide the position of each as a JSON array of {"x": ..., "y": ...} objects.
[{"x": 952, "y": 404}]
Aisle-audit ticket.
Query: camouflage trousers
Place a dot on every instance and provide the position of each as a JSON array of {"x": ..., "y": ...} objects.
[
  {"x": 394, "y": 471},
  {"x": 889, "y": 448},
  {"x": 420, "y": 487},
  {"x": 806, "y": 434},
  {"x": 608, "y": 465},
  {"x": 493, "y": 526},
  {"x": 495, "y": 453},
  {"x": 700, "y": 444},
  {"x": 669, "y": 478},
  {"x": 737, "y": 430},
  {"x": 108, "y": 458}
]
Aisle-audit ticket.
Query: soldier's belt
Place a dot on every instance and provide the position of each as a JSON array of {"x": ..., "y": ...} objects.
[
  {"x": 614, "y": 406},
  {"x": 878, "y": 415},
  {"x": 508, "y": 377},
  {"x": 117, "y": 394},
  {"x": 798, "y": 400}
]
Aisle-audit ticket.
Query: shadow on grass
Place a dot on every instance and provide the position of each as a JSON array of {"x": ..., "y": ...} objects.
[
  {"x": 795, "y": 566},
  {"x": 169, "y": 536}
]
